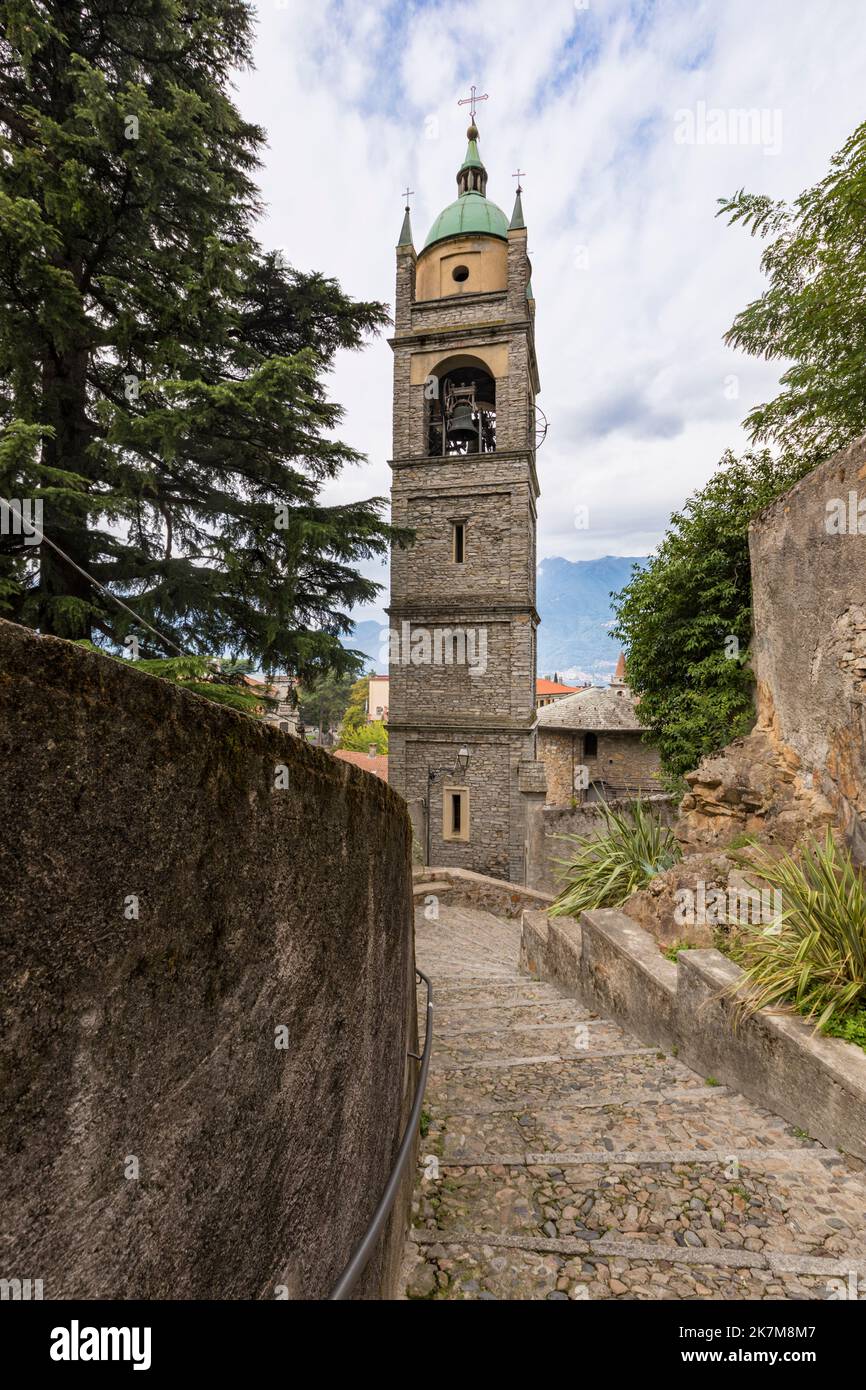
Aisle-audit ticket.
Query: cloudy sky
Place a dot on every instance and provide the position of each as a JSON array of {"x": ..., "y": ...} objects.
[{"x": 612, "y": 109}]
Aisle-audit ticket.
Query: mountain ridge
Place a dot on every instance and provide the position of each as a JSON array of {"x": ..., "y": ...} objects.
[{"x": 573, "y": 601}]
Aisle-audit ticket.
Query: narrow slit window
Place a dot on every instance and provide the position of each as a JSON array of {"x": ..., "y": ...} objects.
[
  {"x": 590, "y": 746},
  {"x": 455, "y": 813},
  {"x": 458, "y": 542}
]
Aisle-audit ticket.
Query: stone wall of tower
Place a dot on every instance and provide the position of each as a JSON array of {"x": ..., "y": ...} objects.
[{"x": 486, "y": 704}]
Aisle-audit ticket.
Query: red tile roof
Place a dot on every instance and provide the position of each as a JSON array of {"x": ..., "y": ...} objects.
[
  {"x": 554, "y": 688},
  {"x": 377, "y": 764}
]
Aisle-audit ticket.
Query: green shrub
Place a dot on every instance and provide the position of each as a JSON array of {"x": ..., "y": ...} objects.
[
  {"x": 360, "y": 737},
  {"x": 606, "y": 869},
  {"x": 814, "y": 955},
  {"x": 851, "y": 1027},
  {"x": 672, "y": 952}
]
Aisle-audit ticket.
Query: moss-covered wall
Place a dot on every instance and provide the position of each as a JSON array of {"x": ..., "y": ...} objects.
[{"x": 147, "y": 1043}]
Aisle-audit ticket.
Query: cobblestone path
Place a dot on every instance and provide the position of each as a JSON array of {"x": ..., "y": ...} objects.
[{"x": 565, "y": 1159}]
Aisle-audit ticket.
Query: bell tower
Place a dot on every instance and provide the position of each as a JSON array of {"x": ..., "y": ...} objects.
[{"x": 462, "y": 616}]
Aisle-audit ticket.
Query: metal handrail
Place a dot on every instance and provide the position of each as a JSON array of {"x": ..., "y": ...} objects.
[{"x": 358, "y": 1263}]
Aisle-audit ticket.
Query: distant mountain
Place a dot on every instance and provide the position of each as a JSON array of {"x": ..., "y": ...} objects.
[{"x": 573, "y": 599}]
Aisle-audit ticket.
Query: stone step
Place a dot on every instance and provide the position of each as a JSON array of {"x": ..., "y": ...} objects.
[
  {"x": 443, "y": 1065},
  {"x": 581, "y": 1039},
  {"x": 468, "y": 980},
  {"x": 796, "y": 1202},
  {"x": 504, "y": 1268},
  {"x": 488, "y": 1018},
  {"x": 667, "y": 1126},
  {"x": 546, "y": 1085},
  {"x": 587, "y": 1100},
  {"x": 495, "y": 994}
]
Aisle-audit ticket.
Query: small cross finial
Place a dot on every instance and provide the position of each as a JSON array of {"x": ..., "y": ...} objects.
[
  {"x": 407, "y": 194},
  {"x": 519, "y": 174},
  {"x": 470, "y": 102}
]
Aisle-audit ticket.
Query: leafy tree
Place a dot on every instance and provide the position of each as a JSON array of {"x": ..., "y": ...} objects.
[
  {"x": 677, "y": 616},
  {"x": 162, "y": 376},
  {"x": 360, "y": 737},
  {"x": 813, "y": 314},
  {"x": 356, "y": 710},
  {"x": 323, "y": 703},
  {"x": 685, "y": 618},
  {"x": 355, "y": 731}
]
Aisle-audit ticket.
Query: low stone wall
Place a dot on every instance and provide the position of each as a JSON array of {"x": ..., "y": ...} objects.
[
  {"x": 494, "y": 895},
  {"x": 209, "y": 996},
  {"x": 775, "y": 1058},
  {"x": 543, "y": 871}
]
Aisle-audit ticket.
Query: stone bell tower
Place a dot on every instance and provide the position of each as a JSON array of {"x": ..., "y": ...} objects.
[{"x": 462, "y": 616}]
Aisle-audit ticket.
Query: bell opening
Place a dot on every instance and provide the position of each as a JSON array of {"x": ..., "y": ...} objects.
[{"x": 461, "y": 418}]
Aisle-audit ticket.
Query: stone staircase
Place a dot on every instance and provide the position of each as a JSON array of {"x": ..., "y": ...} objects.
[{"x": 565, "y": 1160}]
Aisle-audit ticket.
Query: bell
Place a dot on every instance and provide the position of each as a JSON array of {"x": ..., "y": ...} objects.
[{"x": 462, "y": 429}]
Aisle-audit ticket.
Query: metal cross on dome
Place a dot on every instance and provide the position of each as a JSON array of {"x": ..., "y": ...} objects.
[{"x": 470, "y": 102}]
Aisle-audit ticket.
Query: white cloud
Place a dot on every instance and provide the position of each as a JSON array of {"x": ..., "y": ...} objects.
[{"x": 637, "y": 384}]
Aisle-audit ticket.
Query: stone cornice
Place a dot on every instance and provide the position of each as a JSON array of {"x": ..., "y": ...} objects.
[
  {"x": 484, "y": 725},
  {"x": 498, "y": 455},
  {"x": 483, "y": 328},
  {"x": 457, "y": 611}
]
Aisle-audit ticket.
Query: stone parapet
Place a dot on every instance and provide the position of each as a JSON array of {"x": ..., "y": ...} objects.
[{"x": 774, "y": 1056}]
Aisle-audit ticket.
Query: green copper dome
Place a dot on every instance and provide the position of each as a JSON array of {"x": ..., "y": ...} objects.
[{"x": 471, "y": 212}]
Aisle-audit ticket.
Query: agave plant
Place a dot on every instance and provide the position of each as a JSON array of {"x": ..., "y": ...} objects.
[
  {"x": 813, "y": 956},
  {"x": 606, "y": 869}
]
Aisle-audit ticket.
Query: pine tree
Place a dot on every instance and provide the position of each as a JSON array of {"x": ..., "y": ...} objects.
[
  {"x": 323, "y": 703},
  {"x": 161, "y": 375}
]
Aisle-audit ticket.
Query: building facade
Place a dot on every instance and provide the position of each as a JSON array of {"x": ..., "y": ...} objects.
[
  {"x": 462, "y": 616},
  {"x": 593, "y": 748},
  {"x": 377, "y": 698}
]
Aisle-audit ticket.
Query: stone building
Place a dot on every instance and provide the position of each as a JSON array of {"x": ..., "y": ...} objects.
[
  {"x": 462, "y": 616},
  {"x": 377, "y": 698},
  {"x": 279, "y": 705},
  {"x": 592, "y": 746}
]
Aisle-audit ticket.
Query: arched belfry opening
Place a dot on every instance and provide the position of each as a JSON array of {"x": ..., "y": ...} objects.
[{"x": 461, "y": 413}]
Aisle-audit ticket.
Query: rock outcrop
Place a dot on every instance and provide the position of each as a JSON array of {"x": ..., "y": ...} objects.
[
  {"x": 756, "y": 786},
  {"x": 803, "y": 766}
]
